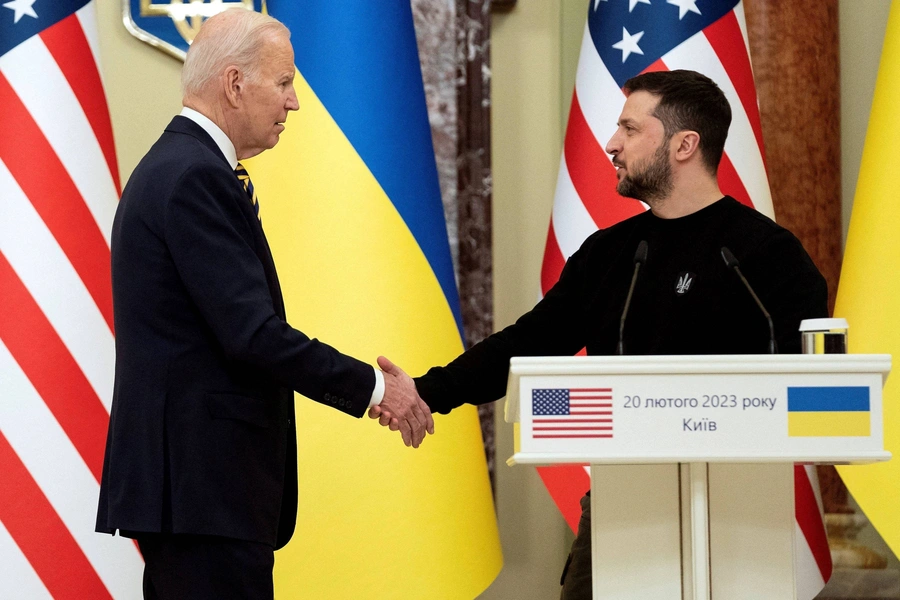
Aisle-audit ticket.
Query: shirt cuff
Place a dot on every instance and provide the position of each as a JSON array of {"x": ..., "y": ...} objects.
[{"x": 378, "y": 392}]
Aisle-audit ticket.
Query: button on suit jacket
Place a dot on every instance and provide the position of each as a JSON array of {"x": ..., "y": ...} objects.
[{"x": 202, "y": 435}]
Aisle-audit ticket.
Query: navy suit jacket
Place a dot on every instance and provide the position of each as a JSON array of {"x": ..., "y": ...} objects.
[{"x": 202, "y": 436}]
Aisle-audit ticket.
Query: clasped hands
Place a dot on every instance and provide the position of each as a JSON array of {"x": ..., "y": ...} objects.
[{"x": 402, "y": 408}]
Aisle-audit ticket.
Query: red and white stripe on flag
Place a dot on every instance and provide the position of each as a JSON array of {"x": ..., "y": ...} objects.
[
  {"x": 59, "y": 186},
  {"x": 709, "y": 37}
]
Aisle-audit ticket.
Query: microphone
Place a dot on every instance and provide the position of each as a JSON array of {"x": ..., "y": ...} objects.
[
  {"x": 732, "y": 263},
  {"x": 640, "y": 258}
]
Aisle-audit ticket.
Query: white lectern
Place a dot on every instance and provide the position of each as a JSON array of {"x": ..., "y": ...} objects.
[{"x": 691, "y": 459}]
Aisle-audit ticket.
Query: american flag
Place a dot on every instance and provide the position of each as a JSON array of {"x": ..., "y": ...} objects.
[
  {"x": 623, "y": 38},
  {"x": 572, "y": 413},
  {"x": 59, "y": 186}
]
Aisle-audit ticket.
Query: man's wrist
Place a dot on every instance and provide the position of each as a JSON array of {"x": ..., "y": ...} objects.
[{"x": 378, "y": 392}]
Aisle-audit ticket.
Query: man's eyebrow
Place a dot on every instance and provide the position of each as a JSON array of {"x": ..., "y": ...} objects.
[{"x": 627, "y": 121}]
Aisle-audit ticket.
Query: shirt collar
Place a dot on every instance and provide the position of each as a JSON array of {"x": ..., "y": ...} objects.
[{"x": 215, "y": 132}]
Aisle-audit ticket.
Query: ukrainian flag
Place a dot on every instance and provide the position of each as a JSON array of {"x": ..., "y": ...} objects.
[
  {"x": 828, "y": 412},
  {"x": 351, "y": 207},
  {"x": 869, "y": 291}
]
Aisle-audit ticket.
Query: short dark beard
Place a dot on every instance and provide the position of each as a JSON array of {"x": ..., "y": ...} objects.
[{"x": 650, "y": 183}]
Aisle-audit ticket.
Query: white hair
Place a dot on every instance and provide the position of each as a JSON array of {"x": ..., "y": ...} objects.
[{"x": 233, "y": 37}]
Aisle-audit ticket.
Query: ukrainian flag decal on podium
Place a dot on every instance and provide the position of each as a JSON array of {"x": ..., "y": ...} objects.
[{"x": 828, "y": 412}]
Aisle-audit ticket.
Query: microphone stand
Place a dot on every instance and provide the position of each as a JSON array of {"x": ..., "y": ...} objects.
[
  {"x": 640, "y": 257},
  {"x": 732, "y": 263}
]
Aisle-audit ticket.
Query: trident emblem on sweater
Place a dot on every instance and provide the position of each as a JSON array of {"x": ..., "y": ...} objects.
[{"x": 684, "y": 283}]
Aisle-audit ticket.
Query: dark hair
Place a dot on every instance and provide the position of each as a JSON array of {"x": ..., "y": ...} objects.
[{"x": 689, "y": 101}]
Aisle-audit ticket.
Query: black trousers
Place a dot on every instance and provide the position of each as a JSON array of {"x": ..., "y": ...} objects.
[
  {"x": 205, "y": 567},
  {"x": 577, "y": 579}
]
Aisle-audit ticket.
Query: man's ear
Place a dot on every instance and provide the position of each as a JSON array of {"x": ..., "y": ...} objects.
[
  {"x": 233, "y": 81},
  {"x": 687, "y": 143}
]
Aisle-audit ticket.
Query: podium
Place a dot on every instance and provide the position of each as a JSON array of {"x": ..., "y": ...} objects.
[{"x": 692, "y": 459}]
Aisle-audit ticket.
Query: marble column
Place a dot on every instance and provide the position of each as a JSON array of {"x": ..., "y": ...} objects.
[
  {"x": 475, "y": 185},
  {"x": 453, "y": 38}
]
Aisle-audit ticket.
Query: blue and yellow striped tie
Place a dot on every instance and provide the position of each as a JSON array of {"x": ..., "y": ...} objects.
[{"x": 244, "y": 178}]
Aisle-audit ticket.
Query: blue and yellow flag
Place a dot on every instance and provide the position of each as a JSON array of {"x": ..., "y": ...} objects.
[
  {"x": 828, "y": 411},
  {"x": 869, "y": 292},
  {"x": 352, "y": 210}
]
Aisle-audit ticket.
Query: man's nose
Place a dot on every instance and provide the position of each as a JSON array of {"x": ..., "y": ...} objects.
[
  {"x": 612, "y": 146},
  {"x": 292, "y": 102}
]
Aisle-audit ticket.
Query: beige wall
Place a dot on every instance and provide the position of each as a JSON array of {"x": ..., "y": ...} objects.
[
  {"x": 142, "y": 86},
  {"x": 527, "y": 137},
  {"x": 862, "y": 33},
  {"x": 535, "y": 49}
]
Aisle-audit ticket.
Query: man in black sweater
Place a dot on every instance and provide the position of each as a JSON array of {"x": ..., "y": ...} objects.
[{"x": 670, "y": 139}]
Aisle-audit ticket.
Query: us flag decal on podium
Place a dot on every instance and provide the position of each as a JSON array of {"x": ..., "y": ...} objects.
[{"x": 572, "y": 413}]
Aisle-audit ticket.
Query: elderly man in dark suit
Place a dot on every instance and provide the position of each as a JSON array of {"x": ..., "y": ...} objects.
[{"x": 201, "y": 465}]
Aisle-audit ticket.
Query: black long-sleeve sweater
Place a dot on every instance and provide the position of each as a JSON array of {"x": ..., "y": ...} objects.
[{"x": 686, "y": 300}]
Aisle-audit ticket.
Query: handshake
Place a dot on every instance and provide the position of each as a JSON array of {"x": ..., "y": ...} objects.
[{"x": 401, "y": 407}]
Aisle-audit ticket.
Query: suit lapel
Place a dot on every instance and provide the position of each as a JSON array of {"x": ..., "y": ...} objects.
[
  {"x": 272, "y": 276},
  {"x": 183, "y": 125}
]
